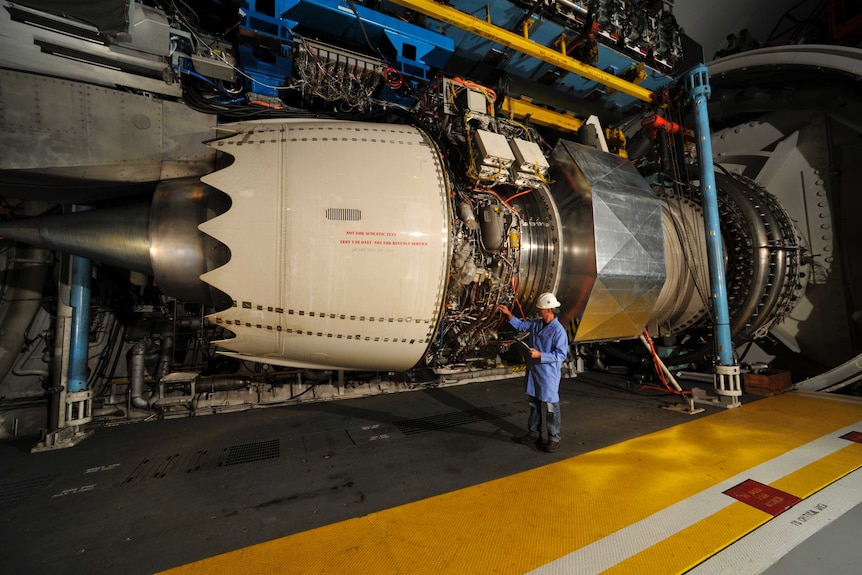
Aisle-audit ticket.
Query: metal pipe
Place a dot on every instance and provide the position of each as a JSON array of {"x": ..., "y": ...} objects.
[
  {"x": 697, "y": 83},
  {"x": 166, "y": 356},
  {"x": 43, "y": 373},
  {"x": 136, "y": 376},
  {"x": 694, "y": 376},
  {"x": 214, "y": 384}
]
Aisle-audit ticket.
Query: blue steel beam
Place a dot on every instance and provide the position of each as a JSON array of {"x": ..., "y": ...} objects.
[{"x": 697, "y": 84}]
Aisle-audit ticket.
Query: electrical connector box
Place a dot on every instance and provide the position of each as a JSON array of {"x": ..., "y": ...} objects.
[
  {"x": 493, "y": 149},
  {"x": 213, "y": 67},
  {"x": 525, "y": 180},
  {"x": 472, "y": 100},
  {"x": 529, "y": 157},
  {"x": 494, "y": 173}
]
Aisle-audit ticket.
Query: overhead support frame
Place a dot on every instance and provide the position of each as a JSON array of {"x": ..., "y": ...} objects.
[{"x": 524, "y": 45}]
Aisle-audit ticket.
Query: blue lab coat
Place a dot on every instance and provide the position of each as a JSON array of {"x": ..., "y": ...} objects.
[{"x": 543, "y": 374}]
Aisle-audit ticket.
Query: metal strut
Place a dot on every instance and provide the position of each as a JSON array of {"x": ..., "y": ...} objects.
[{"x": 727, "y": 378}]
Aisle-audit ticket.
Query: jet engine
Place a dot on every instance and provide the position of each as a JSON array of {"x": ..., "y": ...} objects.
[{"x": 350, "y": 245}]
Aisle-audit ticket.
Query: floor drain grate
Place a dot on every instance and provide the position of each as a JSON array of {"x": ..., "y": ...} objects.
[
  {"x": 14, "y": 494},
  {"x": 248, "y": 452},
  {"x": 445, "y": 420}
]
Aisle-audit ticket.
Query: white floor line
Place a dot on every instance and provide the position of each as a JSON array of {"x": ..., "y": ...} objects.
[
  {"x": 628, "y": 541},
  {"x": 762, "y": 548}
]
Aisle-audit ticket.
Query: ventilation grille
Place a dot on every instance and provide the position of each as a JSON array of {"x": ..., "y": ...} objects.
[
  {"x": 248, "y": 452},
  {"x": 453, "y": 419},
  {"x": 344, "y": 214},
  {"x": 14, "y": 494}
]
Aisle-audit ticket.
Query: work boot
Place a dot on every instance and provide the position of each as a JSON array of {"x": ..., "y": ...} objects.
[
  {"x": 552, "y": 446},
  {"x": 528, "y": 439}
]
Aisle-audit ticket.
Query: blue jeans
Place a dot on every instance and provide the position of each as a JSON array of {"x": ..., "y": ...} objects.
[{"x": 534, "y": 422}]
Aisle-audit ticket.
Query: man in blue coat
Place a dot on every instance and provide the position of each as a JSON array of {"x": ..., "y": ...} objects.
[{"x": 547, "y": 354}]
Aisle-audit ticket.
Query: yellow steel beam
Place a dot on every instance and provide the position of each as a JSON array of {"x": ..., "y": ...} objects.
[
  {"x": 635, "y": 74},
  {"x": 516, "y": 42},
  {"x": 521, "y": 109}
]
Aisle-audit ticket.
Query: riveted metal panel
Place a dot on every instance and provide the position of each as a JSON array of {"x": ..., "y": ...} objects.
[{"x": 89, "y": 132}]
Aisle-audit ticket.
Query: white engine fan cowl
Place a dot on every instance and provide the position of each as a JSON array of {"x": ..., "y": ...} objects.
[{"x": 339, "y": 239}]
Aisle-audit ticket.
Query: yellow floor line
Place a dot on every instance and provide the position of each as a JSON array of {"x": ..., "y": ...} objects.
[
  {"x": 812, "y": 478},
  {"x": 521, "y": 522},
  {"x": 684, "y": 550}
]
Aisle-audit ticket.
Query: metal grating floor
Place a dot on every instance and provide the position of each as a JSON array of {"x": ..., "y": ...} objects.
[
  {"x": 248, "y": 452},
  {"x": 452, "y": 419},
  {"x": 14, "y": 494}
]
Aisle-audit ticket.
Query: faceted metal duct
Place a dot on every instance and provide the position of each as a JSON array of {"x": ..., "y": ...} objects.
[{"x": 612, "y": 250}]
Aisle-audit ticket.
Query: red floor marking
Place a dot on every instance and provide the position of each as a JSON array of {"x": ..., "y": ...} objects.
[
  {"x": 763, "y": 497},
  {"x": 853, "y": 436}
]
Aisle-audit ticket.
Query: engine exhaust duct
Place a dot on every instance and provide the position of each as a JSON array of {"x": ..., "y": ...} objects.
[
  {"x": 158, "y": 238},
  {"x": 117, "y": 236}
]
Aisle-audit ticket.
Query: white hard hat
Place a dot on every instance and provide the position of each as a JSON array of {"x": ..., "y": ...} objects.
[{"x": 547, "y": 301}]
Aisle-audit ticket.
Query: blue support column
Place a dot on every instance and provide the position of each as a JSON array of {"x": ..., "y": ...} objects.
[
  {"x": 697, "y": 84},
  {"x": 79, "y": 300},
  {"x": 728, "y": 384},
  {"x": 75, "y": 400}
]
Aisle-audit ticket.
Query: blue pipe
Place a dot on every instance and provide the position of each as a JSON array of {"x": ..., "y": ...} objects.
[
  {"x": 697, "y": 84},
  {"x": 79, "y": 300}
]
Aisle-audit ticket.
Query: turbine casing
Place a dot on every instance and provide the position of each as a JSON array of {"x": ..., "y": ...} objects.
[{"x": 339, "y": 234}]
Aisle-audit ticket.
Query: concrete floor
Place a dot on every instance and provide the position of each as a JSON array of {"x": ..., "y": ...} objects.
[{"x": 145, "y": 497}]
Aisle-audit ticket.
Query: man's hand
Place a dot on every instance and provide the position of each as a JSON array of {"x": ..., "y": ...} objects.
[
  {"x": 505, "y": 311},
  {"x": 535, "y": 353}
]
